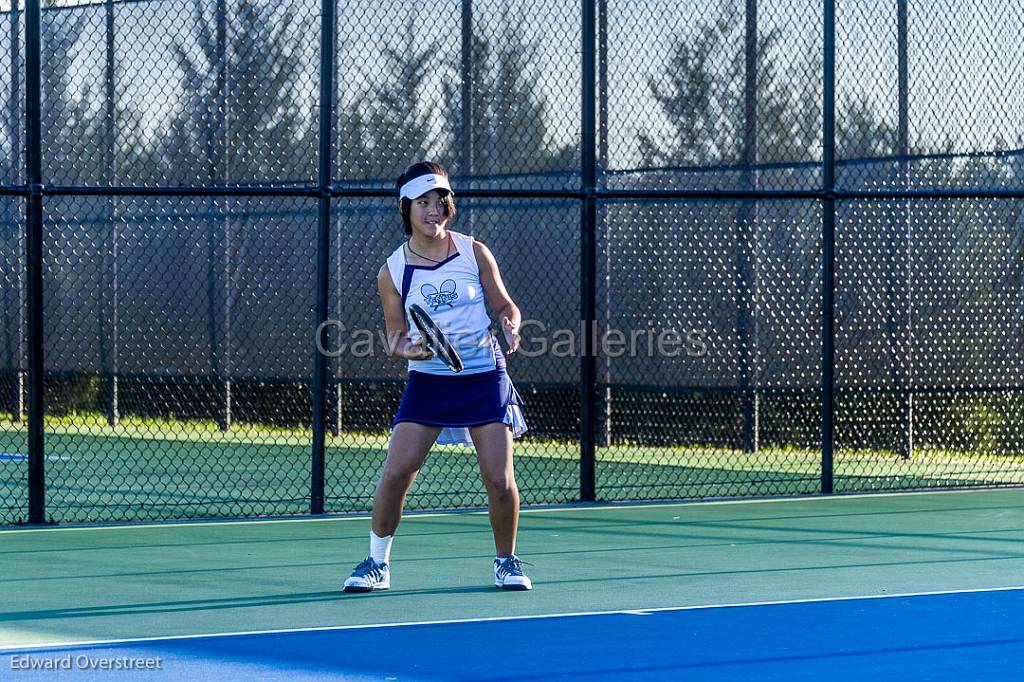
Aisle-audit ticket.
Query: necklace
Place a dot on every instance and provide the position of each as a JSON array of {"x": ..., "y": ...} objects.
[{"x": 408, "y": 245}]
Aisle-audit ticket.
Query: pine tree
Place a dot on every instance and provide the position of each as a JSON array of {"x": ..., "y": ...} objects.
[
  {"x": 67, "y": 125},
  {"x": 702, "y": 110},
  {"x": 394, "y": 114},
  {"x": 510, "y": 113},
  {"x": 240, "y": 112},
  {"x": 74, "y": 123},
  {"x": 700, "y": 90}
]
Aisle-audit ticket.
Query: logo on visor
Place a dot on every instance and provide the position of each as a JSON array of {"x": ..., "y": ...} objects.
[{"x": 437, "y": 298}]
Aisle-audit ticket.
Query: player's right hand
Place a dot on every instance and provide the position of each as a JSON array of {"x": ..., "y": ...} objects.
[{"x": 418, "y": 351}]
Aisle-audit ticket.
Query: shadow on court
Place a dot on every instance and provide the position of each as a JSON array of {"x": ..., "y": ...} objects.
[{"x": 231, "y": 603}]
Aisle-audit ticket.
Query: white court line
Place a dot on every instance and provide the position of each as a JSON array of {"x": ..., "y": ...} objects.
[
  {"x": 598, "y": 506},
  {"x": 20, "y": 458},
  {"x": 493, "y": 619}
]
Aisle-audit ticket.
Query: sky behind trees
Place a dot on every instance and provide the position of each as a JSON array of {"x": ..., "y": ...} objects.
[{"x": 399, "y": 77}]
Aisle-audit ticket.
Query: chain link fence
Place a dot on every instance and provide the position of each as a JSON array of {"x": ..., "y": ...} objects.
[{"x": 762, "y": 247}]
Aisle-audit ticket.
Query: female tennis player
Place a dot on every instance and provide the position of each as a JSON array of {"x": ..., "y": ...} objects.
[{"x": 451, "y": 276}]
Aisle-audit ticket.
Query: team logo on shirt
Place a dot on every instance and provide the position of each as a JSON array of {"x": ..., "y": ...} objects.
[{"x": 437, "y": 298}]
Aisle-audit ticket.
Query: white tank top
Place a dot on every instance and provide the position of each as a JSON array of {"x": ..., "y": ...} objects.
[{"x": 453, "y": 296}]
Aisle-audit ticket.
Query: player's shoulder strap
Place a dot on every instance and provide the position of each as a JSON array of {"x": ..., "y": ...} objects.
[
  {"x": 396, "y": 266},
  {"x": 464, "y": 245}
]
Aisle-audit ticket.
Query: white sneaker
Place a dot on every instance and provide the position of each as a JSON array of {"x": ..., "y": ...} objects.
[
  {"x": 508, "y": 574},
  {"x": 369, "y": 576}
]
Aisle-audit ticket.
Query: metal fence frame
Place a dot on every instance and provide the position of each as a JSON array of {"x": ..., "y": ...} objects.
[{"x": 589, "y": 193}]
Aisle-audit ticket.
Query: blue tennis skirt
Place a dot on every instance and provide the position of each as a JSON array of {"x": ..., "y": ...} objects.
[{"x": 457, "y": 402}]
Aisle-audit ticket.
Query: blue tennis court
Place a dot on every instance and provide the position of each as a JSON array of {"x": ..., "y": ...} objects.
[{"x": 966, "y": 635}]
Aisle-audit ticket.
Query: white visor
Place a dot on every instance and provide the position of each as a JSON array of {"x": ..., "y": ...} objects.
[{"x": 419, "y": 186}]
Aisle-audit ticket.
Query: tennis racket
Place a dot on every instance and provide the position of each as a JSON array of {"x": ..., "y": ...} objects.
[{"x": 434, "y": 338}]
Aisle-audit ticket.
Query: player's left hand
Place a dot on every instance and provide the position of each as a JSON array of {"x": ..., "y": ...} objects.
[{"x": 511, "y": 334}]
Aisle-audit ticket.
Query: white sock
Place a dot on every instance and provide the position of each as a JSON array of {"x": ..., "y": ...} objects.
[{"x": 380, "y": 548}]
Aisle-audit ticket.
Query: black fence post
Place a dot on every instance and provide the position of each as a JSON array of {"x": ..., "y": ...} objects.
[
  {"x": 218, "y": 278},
  {"x": 15, "y": 324},
  {"x": 604, "y": 436},
  {"x": 34, "y": 261},
  {"x": 828, "y": 239},
  {"x": 467, "y": 108},
  {"x": 323, "y": 245},
  {"x": 223, "y": 132},
  {"x": 588, "y": 255},
  {"x": 335, "y": 412},
  {"x": 109, "y": 335},
  {"x": 906, "y": 359},
  {"x": 746, "y": 247},
  {"x": 215, "y": 122}
]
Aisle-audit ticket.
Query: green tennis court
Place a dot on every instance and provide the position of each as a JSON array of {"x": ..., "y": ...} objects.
[{"x": 99, "y": 584}]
